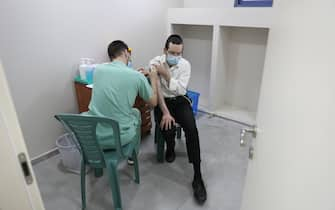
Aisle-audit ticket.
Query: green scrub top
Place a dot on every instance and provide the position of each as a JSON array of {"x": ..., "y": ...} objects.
[{"x": 115, "y": 88}]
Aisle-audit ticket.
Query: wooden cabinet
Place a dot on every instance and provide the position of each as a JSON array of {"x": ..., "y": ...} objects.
[{"x": 84, "y": 96}]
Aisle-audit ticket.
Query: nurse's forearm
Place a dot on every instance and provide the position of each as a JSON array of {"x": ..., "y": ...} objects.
[
  {"x": 153, "y": 80},
  {"x": 161, "y": 101}
]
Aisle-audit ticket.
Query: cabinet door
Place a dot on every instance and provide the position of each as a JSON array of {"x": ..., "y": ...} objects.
[
  {"x": 145, "y": 115},
  {"x": 83, "y": 96}
]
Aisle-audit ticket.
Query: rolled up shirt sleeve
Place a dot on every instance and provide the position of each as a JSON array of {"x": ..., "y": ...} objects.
[{"x": 179, "y": 80}]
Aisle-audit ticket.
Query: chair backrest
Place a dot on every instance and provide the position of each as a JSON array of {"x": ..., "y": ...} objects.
[{"x": 84, "y": 129}]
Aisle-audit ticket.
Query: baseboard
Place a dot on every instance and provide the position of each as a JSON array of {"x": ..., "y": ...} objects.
[
  {"x": 44, "y": 156},
  {"x": 213, "y": 114}
]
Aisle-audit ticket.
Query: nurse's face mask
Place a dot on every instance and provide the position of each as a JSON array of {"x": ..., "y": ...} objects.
[
  {"x": 128, "y": 58},
  {"x": 174, "y": 54}
]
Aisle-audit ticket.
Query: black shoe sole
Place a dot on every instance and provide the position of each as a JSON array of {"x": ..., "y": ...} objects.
[
  {"x": 200, "y": 201},
  {"x": 171, "y": 158}
]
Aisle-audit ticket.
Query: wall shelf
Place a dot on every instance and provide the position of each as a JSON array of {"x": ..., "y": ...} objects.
[
  {"x": 198, "y": 44},
  {"x": 227, "y": 58}
]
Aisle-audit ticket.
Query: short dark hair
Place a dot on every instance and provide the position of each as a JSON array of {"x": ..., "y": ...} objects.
[
  {"x": 174, "y": 39},
  {"x": 116, "y": 48}
]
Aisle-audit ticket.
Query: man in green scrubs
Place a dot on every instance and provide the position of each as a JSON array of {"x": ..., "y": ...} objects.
[{"x": 115, "y": 89}]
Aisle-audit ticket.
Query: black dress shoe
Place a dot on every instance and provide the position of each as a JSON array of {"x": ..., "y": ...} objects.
[
  {"x": 170, "y": 156},
  {"x": 199, "y": 191}
]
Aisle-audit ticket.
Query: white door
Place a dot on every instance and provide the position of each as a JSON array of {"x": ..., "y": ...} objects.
[
  {"x": 294, "y": 159},
  {"x": 18, "y": 187}
]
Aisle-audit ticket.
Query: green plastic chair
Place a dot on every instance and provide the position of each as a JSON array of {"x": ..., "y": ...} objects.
[
  {"x": 160, "y": 141},
  {"x": 84, "y": 129}
]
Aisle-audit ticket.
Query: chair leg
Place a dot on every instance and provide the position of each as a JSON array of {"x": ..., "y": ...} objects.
[
  {"x": 83, "y": 185},
  {"x": 160, "y": 147},
  {"x": 156, "y": 133},
  {"x": 98, "y": 172},
  {"x": 114, "y": 183},
  {"x": 136, "y": 170},
  {"x": 178, "y": 132}
]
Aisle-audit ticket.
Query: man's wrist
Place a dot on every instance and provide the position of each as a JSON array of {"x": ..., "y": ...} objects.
[{"x": 166, "y": 113}]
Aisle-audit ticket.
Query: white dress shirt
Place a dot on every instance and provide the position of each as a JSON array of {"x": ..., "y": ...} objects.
[{"x": 180, "y": 76}]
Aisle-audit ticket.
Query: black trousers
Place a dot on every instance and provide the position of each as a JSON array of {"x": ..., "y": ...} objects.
[{"x": 180, "y": 108}]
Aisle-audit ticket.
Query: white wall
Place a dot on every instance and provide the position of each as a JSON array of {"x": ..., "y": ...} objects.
[
  {"x": 209, "y": 3},
  {"x": 41, "y": 43}
]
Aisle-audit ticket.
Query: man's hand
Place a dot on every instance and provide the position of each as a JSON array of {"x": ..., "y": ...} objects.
[
  {"x": 143, "y": 71},
  {"x": 163, "y": 70},
  {"x": 167, "y": 122}
]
